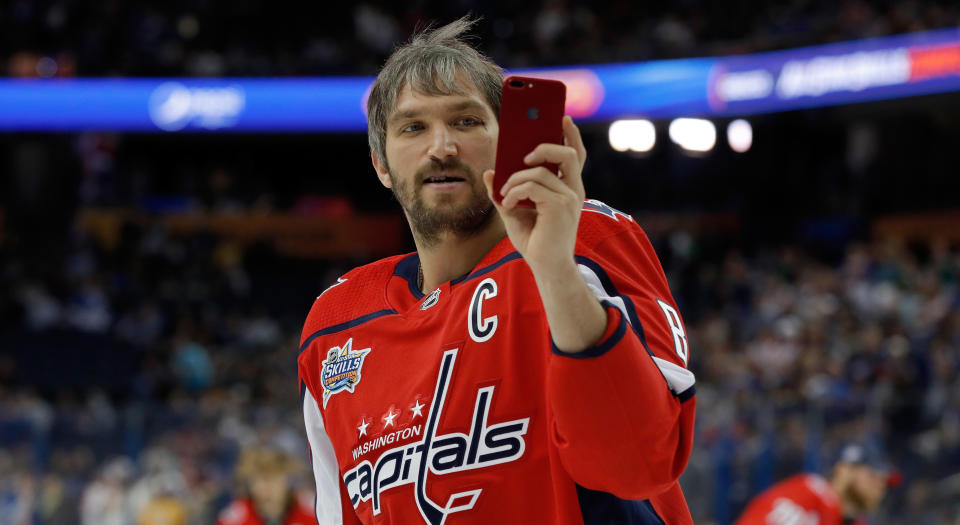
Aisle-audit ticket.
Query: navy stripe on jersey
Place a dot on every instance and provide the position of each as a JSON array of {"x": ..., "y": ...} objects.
[
  {"x": 487, "y": 269},
  {"x": 409, "y": 269},
  {"x": 604, "y": 508},
  {"x": 601, "y": 347},
  {"x": 343, "y": 326}
]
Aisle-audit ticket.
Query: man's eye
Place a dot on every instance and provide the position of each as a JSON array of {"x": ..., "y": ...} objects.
[
  {"x": 469, "y": 122},
  {"x": 412, "y": 128}
]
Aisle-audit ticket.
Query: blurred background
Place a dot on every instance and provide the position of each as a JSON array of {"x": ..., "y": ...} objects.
[{"x": 153, "y": 282}]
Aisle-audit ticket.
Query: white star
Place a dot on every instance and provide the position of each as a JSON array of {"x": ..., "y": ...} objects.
[
  {"x": 363, "y": 427},
  {"x": 389, "y": 418},
  {"x": 417, "y": 409}
]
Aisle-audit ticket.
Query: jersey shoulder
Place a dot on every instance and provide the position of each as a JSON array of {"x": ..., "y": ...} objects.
[
  {"x": 599, "y": 221},
  {"x": 809, "y": 490},
  {"x": 358, "y": 293},
  {"x": 820, "y": 487},
  {"x": 602, "y": 224}
]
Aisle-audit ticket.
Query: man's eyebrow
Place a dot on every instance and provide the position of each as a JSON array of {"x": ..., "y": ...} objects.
[
  {"x": 402, "y": 115},
  {"x": 466, "y": 104},
  {"x": 456, "y": 106}
]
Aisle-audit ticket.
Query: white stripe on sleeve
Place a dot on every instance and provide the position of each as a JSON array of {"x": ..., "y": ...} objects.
[
  {"x": 593, "y": 282},
  {"x": 679, "y": 379},
  {"x": 325, "y": 469}
]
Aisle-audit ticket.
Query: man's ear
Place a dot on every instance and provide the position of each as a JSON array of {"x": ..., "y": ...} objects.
[{"x": 382, "y": 172}]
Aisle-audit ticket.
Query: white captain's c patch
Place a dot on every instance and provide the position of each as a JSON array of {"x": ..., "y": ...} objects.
[
  {"x": 482, "y": 328},
  {"x": 340, "y": 371}
]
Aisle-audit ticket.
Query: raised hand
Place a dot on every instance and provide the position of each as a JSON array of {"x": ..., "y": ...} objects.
[{"x": 546, "y": 234}]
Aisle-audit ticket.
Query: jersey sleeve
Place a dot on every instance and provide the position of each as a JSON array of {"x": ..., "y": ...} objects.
[
  {"x": 332, "y": 506},
  {"x": 623, "y": 410}
]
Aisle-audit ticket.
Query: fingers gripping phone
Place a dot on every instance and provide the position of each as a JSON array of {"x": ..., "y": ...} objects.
[{"x": 531, "y": 113}]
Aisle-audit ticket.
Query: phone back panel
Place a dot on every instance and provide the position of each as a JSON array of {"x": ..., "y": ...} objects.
[{"x": 531, "y": 113}]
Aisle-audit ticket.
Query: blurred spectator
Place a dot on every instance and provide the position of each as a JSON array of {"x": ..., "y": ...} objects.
[
  {"x": 42, "y": 310},
  {"x": 162, "y": 510},
  {"x": 104, "y": 501},
  {"x": 191, "y": 363},
  {"x": 155, "y": 497},
  {"x": 17, "y": 493},
  {"x": 55, "y": 503},
  {"x": 266, "y": 476}
]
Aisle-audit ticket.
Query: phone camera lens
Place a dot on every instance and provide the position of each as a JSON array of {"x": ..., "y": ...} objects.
[{"x": 516, "y": 83}]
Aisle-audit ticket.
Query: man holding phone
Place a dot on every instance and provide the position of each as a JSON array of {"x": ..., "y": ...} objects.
[{"x": 527, "y": 364}]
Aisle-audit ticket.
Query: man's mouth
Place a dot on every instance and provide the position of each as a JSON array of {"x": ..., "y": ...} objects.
[{"x": 440, "y": 179}]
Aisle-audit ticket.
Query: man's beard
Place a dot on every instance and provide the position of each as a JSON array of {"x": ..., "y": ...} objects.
[{"x": 428, "y": 222}]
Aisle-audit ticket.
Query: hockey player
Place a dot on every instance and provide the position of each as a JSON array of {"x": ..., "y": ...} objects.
[
  {"x": 523, "y": 365},
  {"x": 269, "y": 499},
  {"x": 856, "y": 486}
]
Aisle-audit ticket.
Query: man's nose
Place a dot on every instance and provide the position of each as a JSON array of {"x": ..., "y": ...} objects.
[{"x": 442, "y": 143}]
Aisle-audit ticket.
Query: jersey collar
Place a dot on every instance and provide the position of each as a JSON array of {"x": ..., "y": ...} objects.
[{"x": 408, "y": 268}]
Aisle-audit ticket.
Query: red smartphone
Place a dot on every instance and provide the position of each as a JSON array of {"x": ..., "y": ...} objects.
[{"x": 531, "y": 113}]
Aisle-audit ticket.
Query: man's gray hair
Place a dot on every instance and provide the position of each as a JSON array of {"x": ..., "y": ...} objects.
[{"x": 430, "y": 63}]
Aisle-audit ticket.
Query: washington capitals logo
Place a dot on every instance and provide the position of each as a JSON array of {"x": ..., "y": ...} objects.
[
  {"x": 487, "y": 444},
  {"x": 341, "y": 369}
]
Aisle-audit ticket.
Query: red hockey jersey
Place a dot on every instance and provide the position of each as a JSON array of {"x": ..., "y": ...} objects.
[
  {"x": 804, "y": 499},
  {"x": 454, "y": 407}
]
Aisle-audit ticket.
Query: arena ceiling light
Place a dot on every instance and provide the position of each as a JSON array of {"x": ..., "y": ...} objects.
[
  {"x": 740, "y": 135},
  {"x": 632, "y": 135},
  {"x": 693, "y": 134}
]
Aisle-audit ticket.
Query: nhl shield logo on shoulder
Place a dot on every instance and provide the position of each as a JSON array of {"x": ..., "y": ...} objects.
[
  {"x": 340, "y": 371},
  {"x": 431, "y": 299}
]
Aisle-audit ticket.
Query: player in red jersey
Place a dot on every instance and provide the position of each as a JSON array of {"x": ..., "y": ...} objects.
[
  {"x": 265, "y": 475},
  {"x": 857, "y": 485},
  {"x": 523, "y": 365}
]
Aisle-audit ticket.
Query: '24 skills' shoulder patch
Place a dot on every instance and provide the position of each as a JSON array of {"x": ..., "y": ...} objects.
[{"x": 340, "y": 371}]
